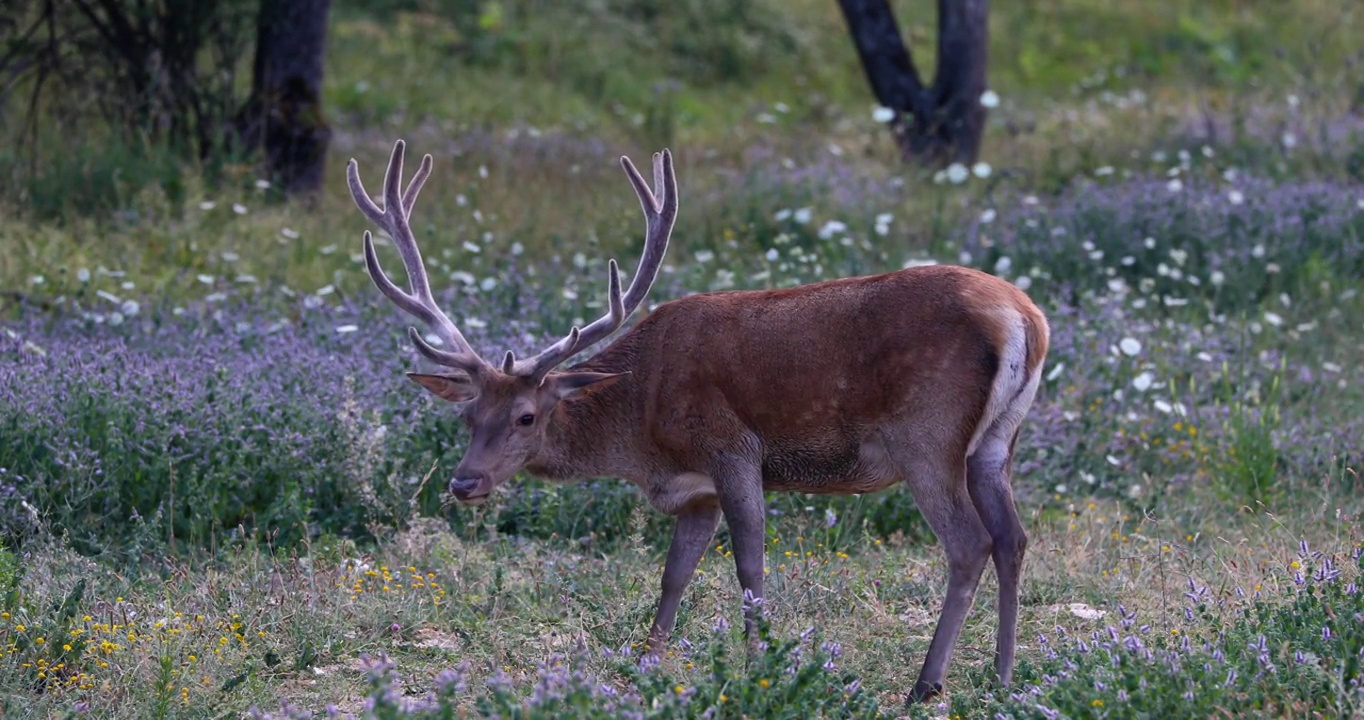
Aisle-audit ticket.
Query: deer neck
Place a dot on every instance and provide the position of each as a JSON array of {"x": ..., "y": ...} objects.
[{"x": 591, "y": 436}]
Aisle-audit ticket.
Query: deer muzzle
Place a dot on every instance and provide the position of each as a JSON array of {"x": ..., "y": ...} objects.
[{"x": 471, "y": 489}]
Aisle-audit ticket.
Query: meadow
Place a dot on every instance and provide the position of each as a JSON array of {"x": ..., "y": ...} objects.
[{"x": 219, "y": 496}]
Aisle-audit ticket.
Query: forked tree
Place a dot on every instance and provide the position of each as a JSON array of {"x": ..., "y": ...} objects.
[
  {"x": 933, "y": 124},
  {"x": 920, "y": 376}
]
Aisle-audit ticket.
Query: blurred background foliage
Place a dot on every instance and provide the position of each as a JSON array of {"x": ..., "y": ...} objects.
[{"x": 642, "y": 71}]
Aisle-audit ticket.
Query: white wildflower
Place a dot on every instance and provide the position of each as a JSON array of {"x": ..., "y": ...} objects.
[
  {"x": 1130, "y": 346},
  {"x": 1085, "y": 612},
  {"x": 832, "y": 228}
]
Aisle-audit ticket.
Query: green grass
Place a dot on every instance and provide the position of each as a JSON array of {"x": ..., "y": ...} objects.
[{"x": 255, "y": 627}]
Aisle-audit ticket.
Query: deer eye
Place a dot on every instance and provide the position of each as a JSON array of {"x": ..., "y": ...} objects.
[{"x": 526, "y": 420}]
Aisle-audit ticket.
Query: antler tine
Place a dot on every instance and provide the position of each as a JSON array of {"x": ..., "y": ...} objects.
[
  {"x": 419, "y": 303},
  {"x": 660, "y": 211},
  {"x": 660, "y": 223},
  {"x": 415, "y": 187},
  {"x": 659, "y": 182}
]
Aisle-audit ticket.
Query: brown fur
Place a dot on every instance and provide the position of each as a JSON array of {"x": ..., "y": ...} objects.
[{"x": 705, "y": 368}]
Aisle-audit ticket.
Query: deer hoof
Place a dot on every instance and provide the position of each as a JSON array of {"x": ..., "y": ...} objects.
[{"x": 923, "y": 692}]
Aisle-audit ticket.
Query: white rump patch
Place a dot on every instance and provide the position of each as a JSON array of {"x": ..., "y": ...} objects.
[{"x": 1007, "y": 406}]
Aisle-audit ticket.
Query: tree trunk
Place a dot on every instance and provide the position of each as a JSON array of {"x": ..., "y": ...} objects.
[
  {"x": 935, "y": 125},
  {"x": 284, "y": 114}
]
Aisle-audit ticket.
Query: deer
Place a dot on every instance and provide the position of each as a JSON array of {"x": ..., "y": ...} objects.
[{"x": 921, "y": 376}]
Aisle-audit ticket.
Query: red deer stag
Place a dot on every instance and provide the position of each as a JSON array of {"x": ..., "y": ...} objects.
[{"x": 920, "y": 376}]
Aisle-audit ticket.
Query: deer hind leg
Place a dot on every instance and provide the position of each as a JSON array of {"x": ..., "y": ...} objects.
[
  {"x": 739, "y": 484},
  {"x": 939, "y": 489},
  {"x": 988, "y": 480}
]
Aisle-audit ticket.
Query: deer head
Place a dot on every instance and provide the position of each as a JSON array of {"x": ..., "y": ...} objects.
[{"x": 506, "y": 407}]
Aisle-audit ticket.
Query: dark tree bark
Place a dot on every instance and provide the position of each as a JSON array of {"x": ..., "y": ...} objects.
[
  {"x": 935, "y": 125},
  {"x": 284, "y": 114}
]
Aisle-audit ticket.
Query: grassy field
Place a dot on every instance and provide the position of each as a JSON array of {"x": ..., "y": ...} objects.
[{"x": 220, "y": 498}]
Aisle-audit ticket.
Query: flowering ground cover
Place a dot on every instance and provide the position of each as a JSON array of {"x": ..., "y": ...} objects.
[{"x": 1195, "y": 390}]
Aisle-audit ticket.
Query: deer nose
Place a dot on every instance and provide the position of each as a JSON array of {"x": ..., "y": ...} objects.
[{"x": 464, "y": 487}]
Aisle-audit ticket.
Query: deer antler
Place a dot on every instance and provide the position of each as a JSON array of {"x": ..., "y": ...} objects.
[
  {"x": 419, "y": 303},
  {"x": 660, "y": 210}
]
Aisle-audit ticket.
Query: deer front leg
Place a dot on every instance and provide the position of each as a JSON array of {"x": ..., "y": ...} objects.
[
  {"x": 691, "y": 536},
  {"x": 739, "y": 485}
]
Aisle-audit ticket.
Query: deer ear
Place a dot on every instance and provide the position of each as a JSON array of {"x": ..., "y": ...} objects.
[
  {"x": 455, "y": 388},
  {"x": 569, "y": 385}
]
